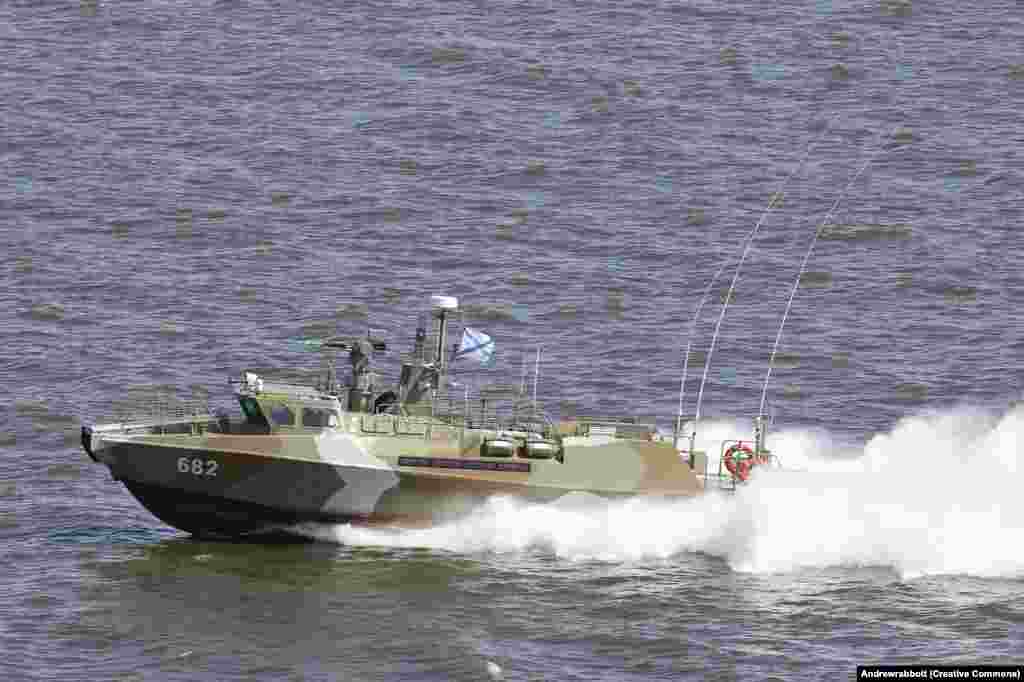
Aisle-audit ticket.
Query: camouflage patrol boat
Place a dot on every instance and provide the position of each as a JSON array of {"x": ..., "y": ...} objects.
[{"x": 409, "y": 454}]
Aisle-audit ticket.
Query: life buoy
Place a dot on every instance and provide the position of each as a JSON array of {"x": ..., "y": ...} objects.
[{"x": 739, "y": 466}]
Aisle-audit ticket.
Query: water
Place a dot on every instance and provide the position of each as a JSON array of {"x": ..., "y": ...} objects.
[{"x": 188, "y": 188}]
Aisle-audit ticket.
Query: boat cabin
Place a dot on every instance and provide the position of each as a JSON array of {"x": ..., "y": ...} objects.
[{"x": 282, "y": 407}]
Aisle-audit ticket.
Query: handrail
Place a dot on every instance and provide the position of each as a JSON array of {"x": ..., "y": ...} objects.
[
  {"x": 163, "y": 410},
  {"x": 615, "y": 422},
  {"x": 771, "y": 460}
]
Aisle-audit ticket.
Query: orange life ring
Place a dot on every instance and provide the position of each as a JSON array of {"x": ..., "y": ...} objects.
[{"x": 739, "y": 467}]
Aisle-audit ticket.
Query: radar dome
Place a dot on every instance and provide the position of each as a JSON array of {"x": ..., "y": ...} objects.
[{"x": 444, "y": 302}]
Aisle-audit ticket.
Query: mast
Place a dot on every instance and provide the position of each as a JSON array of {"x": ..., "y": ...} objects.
[
  {"x": 425, "y": 370},
  {"x": 536, "y": 376},
  {"x": 442, "y": 307},
  {"x": 522, "y": 382}
]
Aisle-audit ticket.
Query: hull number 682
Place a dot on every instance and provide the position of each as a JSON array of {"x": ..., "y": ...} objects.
[{"x": 197, "y": 466}]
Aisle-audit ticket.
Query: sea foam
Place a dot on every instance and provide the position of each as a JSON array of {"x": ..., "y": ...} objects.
[{"x": 938, "y": 494}]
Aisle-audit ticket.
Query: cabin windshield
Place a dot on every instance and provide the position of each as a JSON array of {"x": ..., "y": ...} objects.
[
  {"x": 282, "y": 415},
  {"x": 317, "y": 418}
]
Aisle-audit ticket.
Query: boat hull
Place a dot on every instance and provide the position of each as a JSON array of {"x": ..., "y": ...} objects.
[
  {"x": 266, "y": 485},
  {"x": 423, "y": 502},
  {"x": 218, "y": 517}
]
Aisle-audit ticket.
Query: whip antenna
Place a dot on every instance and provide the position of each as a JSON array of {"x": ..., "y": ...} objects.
[
  {"x": 803, "y": 266},
  {"x": 739, "y": 266},
  {"x": 686, "y": 357}
]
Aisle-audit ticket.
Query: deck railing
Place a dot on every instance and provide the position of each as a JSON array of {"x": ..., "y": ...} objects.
[
  {"x": 159, "y": 411},
  {"x": 629, "y": 428},
  {"x": 453, "y": 412},
  {"x": 490, "y": 410}
]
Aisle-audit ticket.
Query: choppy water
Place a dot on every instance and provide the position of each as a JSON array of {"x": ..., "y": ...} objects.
[{"x": 189, "y": 186}]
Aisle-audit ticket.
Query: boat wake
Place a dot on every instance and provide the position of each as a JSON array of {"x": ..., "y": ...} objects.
[{"x": 938, "y": 494}]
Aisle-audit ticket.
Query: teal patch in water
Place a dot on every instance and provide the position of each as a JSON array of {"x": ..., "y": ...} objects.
[
  {"x": 98, "y": 535},
  {"x": 768, "y": 72},
  {"x": 304, "y": 345},
  {"x": 519, "y": 312}
]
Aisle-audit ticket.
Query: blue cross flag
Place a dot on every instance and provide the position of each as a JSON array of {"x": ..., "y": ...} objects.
[{"x": 476, "y": 345}]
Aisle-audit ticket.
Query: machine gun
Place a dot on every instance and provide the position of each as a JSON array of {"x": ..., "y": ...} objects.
[{"x": 360, "y": 353}]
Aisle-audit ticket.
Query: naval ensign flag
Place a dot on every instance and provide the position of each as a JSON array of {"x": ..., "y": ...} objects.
[{"x": 476, "y": 345}]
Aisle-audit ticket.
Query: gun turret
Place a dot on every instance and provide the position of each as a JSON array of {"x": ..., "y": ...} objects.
[
  {"x": 361, "y": 351},
  {"x": 348, "y": 342}
]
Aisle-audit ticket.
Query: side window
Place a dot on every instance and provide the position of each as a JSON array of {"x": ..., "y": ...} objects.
[
  {"x": 252, "y": 412},
  {"x": 247, "y": 408},
  {"x": 314, "y": 417},
  {"x": 282, "y": 415}
]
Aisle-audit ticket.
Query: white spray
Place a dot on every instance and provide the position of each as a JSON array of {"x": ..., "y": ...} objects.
[{"x": 936, "y": 495}]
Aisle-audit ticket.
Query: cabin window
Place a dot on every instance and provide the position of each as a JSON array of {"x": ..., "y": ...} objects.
[
  {"x": 282, "y": 415},
  {"x": 252, "y": 412},
  {"x": 315, "y": 417}
]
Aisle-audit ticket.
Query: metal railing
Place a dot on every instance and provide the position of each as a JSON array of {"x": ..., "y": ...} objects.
[
  {"x": 158, "y": 412},
  {"x": 488, "y": 411},
  {"x": 454, "y": 413},
  {"x": 723, "y": 479},
  {"x": 624, "y": 427}
]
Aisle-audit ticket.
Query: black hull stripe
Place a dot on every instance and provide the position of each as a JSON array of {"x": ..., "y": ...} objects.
[
  {"x": 212, "y": 516},
  {"x": 474, "y": 464}
]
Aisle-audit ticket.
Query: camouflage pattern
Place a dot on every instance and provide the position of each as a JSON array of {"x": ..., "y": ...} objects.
[{"x": 370, "y": 468}]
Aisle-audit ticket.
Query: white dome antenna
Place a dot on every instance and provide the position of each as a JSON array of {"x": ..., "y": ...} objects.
[
  {"x": 438, "y": 302},
  {"x": 443, "y": 307}
]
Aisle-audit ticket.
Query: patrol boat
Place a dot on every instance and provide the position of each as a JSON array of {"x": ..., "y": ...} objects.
[{"x": 411, "y": 454}]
